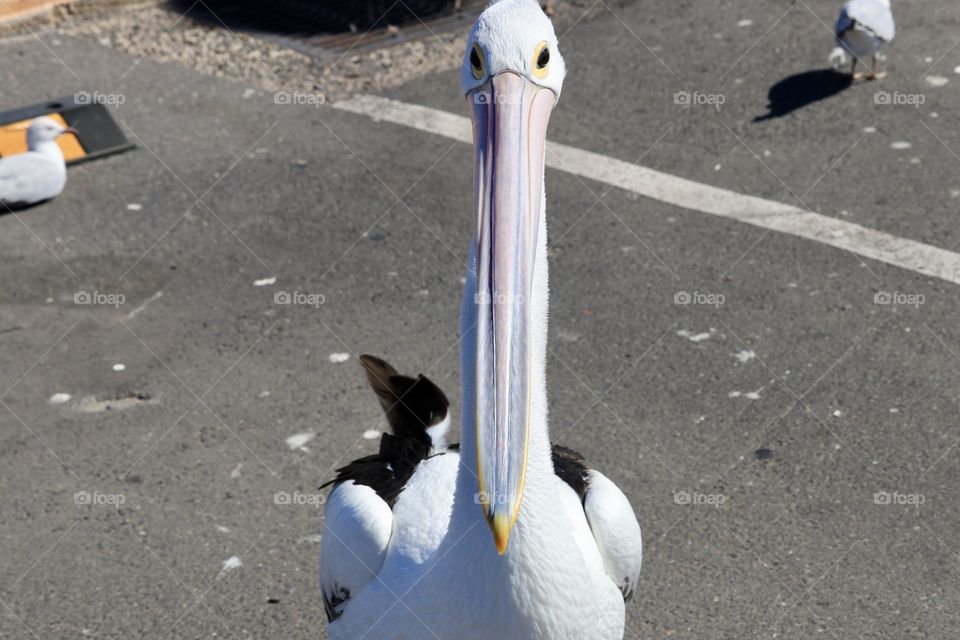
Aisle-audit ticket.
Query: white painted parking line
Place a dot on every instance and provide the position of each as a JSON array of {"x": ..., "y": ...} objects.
[{"x": 766, "y": 214}]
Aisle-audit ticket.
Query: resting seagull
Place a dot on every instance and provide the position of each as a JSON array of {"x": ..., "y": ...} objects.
[
  {"x": 503, "y": 536},
  {"x": 863, "y": 28},
  {"x": 40, "y": 173}
]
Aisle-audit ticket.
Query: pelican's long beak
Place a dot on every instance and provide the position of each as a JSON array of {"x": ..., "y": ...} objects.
[{"x": 510, "y": 116}]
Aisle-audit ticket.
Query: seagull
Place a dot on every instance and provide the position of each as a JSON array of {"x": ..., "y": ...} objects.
[
  {"x": 863, "y": 28},
  {"x": 40, "y": 173},
  {"x": 503, "y": 535}
]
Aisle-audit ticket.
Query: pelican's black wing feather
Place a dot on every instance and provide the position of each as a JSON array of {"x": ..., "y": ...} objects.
[
  {"x": 412, "y": 405},
  {"x": 386, "y": 471},
  {"x": 571, "y": 467}
]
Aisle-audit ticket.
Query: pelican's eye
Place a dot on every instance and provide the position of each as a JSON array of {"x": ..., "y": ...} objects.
[
  {"x": 541, "y": 60},
  {"x": 476, "y": 61}
]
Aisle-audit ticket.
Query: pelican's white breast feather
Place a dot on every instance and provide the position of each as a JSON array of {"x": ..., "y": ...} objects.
[{"x": 422, "y": 513}]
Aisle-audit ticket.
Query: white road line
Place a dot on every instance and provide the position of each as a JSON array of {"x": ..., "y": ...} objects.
[{"x": 766, "y": 214}]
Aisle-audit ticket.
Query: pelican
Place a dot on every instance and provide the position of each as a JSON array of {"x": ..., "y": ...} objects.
[
  {"x": 503, "y": 536},
  {"x": 863, "y": 28},
  {"x": 40, "y": 173}
]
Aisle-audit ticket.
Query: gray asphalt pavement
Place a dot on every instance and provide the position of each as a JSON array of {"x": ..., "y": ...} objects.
[{"x": 790, "y": 449}]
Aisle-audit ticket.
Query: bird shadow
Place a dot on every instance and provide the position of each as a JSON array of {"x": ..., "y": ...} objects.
[
  {"x": 17, "y": 207},
  {"x": 802, "y": 89}
]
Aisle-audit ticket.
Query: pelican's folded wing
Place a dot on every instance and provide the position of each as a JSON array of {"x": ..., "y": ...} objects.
[
  {"x": 616, "y": 531},
  {"x": 357, "y": 528},
  {"x": 609, "y": 516},
  {"x": 358, "y": 517}
]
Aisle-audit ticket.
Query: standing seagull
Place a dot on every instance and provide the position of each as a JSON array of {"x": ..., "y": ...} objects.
[
  {"x": 863, "y": 28},
  {"x": 503, "y": 536},
  {"x": 40, "y": 173}
]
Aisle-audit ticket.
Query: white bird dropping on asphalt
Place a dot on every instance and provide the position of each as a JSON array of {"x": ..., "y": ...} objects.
[
  {"x": 40, "y": 173},
  {"x": 297, "y": 441},
  {"x": 337, "y": 358},
  {"x": 59, "y": 398},
  {"x": 119, "y": 367},
  {"x": 233, "y": 562},
  {"x": 863, "y": 28},
  {"x": 693, "y": 337}
]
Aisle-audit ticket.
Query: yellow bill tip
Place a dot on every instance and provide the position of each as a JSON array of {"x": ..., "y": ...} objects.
[{"x": 501, "y": 532}]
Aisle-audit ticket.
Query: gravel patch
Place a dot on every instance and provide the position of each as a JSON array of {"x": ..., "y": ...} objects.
[
  {"x": 161, "y": 34},
  {"x": 156, "y": 31}
]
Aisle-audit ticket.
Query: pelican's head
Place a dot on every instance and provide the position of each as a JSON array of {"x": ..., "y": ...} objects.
[
  {"x": 513, "y": 36},
  {"x": 512, "y": 74},
  {"x": 44, "y": 129}
]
